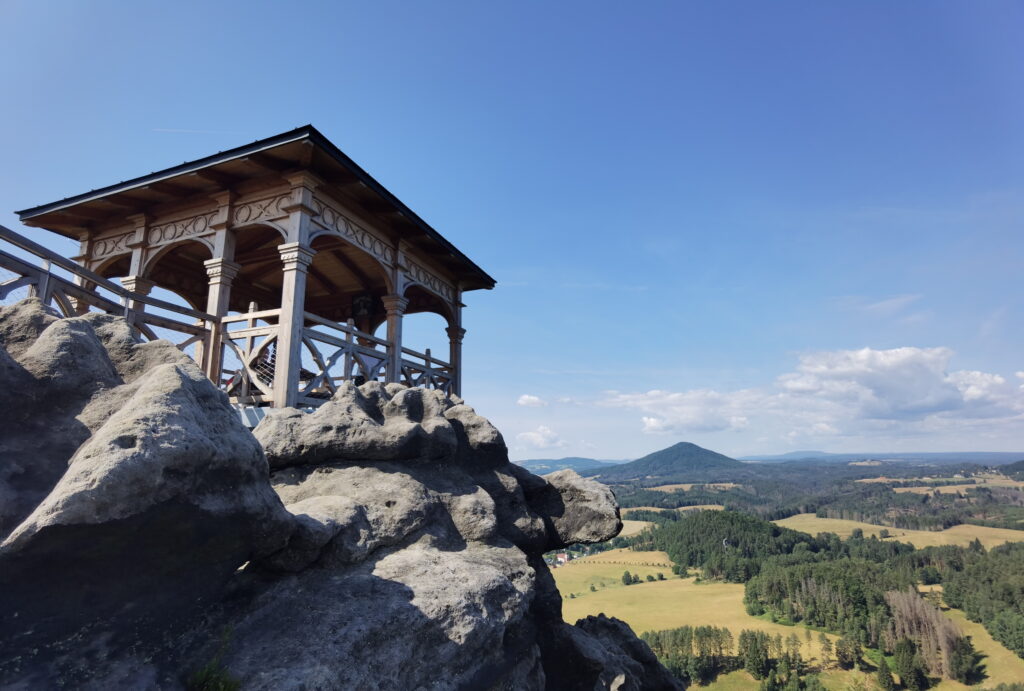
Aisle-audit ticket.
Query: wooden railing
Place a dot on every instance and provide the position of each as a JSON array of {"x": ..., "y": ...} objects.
[
  {"x": 338, "y": 352},
  {"x": 427, "y": 371},
  {"x": 332, "y": 352},
  {"x": 249, "y": 356},
  {"x": 86, "y": 291}
]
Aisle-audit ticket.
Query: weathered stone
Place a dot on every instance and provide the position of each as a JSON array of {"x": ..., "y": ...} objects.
[
  {"x": 155, "y": 513},
  {"x": 21, "y": 324},
  {"x": 603, "y": 653},
  {"x": 575, "y": 509},
  {"x": 392, "y": 547},
  {"x": 361, "y": 423},
  {"x": 480, "y": 444}
]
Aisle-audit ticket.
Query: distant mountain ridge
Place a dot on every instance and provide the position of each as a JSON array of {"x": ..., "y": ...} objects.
[
  {"x": 982, "y": 457},
  {"x": 542, "y": 466},
  {"x": 682, "y": 462}
]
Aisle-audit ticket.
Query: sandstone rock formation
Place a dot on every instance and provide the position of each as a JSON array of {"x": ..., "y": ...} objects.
[{"x": 146, "y": 541}]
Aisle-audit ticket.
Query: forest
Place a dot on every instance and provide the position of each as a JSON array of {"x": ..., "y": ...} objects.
[
  {"x": 832, "y": 491},
  {"x": 862, "y": 589}
]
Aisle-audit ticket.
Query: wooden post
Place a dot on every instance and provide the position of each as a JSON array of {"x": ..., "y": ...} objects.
[
  {"x": 347, "y": 376},
  {"x": 296, "y": 259},
  {"x": 221, "y": 273},
  {"x": 395, "y": 307},
  {"x": 455, "y": 336},
  {"x": 139, "y": 286}
]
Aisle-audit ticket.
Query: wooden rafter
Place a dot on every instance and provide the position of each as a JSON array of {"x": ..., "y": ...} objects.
[{"x": 363, "y": 279}]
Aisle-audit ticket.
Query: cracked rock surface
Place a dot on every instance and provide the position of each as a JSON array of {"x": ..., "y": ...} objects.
[{"x": 382, "y": 541}]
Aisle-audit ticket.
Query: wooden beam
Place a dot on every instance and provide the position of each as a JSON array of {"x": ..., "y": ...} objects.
[
  {"x": 322, "y": 280},
  {"x": 269, "y": 163},
  {"x": 216, "y": 177},
  {"x": 171, "y": 189},
  {"x": 90, "y": 214},
  {"x": 257, "y": 255},
  {"x": 352, "y": 268},
  {"x": 124, "y": 201}
]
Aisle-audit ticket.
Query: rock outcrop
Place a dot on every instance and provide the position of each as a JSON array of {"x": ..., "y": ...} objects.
[{"x": 149, "y": 540}]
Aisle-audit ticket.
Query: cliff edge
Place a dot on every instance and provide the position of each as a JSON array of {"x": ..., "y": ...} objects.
[{"x": 149, "y": 540}]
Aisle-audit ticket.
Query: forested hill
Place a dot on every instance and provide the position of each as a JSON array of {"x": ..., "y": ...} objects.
[
  {"x": 1014, "y": 470},
  {"x": 682, "y": 462},
  {"x": 542, "y": 466}
]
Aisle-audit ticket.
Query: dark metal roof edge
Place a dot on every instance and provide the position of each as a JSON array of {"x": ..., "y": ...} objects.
[
  {"x": 357, "y": 170},
  {"x": 299, "y": 133},
  {"x": 187, "y": 167}
]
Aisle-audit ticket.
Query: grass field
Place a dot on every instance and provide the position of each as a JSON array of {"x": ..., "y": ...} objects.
[
  {"x": 683, "y": 602},
  {"x": 659, "y": 605},
  {"x": 957, "y": 535},
  {"x": 960, "y": 489},
  {"x": 605, "y": 571},
  {"x": 698, "y": 507},
  {"x": 926, "y": 484},
  {"x": 687, "y": 486},
  {"x": 633, "y": 527}
]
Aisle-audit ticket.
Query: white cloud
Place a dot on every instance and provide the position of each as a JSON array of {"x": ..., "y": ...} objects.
[
  {"x": 840, "y": 393},
  {"x": 531, "y": 401},
  {"x": 890, "y": 306},
  {"x": 541, "y": 438},
  {"x": 885, "y": 308},
  {"x": 699, "y": 410}
]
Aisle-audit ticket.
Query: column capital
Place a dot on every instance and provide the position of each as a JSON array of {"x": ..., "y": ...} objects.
[
  {"x": 137, "y": 284},
  {"x": 395, "y": 304},
  {"x": 296, "y": 255},
  {"x": 455, "y": 333},
  {"x": 221, "y": 269}
]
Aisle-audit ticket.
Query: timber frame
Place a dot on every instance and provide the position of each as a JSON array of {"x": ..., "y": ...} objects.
[{"x": 289, "y": 255}]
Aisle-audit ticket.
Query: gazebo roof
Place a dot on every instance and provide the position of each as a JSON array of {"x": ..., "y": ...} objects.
[{"x": 303, "y": 148}]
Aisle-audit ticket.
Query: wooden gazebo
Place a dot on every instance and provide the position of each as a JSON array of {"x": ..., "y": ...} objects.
[{"x": 292, "y": 254}]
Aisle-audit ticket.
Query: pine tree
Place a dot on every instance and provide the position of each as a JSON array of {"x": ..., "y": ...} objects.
[
  {"x": 627, "y": 578},
  {"x": 884, "y": 677},
  {"x": 826, "y": 650}
]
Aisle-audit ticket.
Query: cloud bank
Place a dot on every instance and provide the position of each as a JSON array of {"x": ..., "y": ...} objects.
[{"x": 842, "y": 393}]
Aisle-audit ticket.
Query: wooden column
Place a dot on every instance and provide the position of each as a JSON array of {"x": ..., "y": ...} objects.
[
  {"x": 296, "y": 258},
  {"x": 139, "y": 286},
  {"x": 395, "y": 307},
  {"x": 221, "y": 272},
  {"x": 455, "y": 336}
]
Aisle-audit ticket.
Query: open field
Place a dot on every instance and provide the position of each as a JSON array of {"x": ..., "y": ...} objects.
[
  {"x": 957, "y": 535},
  {"x": 960, "y": 489},
  {"x": 633, "y": 527},
  {"x": 681, "y": 602},
  {"x": 926, "y": 485},
  {"x": 605, "y": 570},
  {"x": 659, "y": 605},
  {"x": 698, "y": 507},
  {"x": 687, "y": 486}
]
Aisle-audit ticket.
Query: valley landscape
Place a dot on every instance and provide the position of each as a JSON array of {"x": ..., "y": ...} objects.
[{"x": 713, "y": 543}]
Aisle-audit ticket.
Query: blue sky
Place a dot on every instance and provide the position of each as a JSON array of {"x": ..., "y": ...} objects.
[{"x": 756, "y": 226}]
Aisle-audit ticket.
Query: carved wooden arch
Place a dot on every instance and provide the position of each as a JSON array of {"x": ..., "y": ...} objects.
[
  {"x": 441, "y": 306},
  {"x": 152, "y": 255},
  {"x": 103, "y": 266},
  {"x": 155, "y": 254},
  {"x": 242, "y": 227},
  {"x": 385, "y": 269}
]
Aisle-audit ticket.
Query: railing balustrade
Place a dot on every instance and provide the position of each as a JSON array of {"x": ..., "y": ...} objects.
[
  {"x": 87, "y": 291},
  {"x": 332, "y": 352}
]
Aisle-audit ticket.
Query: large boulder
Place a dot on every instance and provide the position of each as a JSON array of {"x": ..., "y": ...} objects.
[
  {"x": 387, "y": 544},
  {"x": 361, "y": 423},
  {"x": 150, "y": 516},
  {"x": 602, "y": 652}
]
